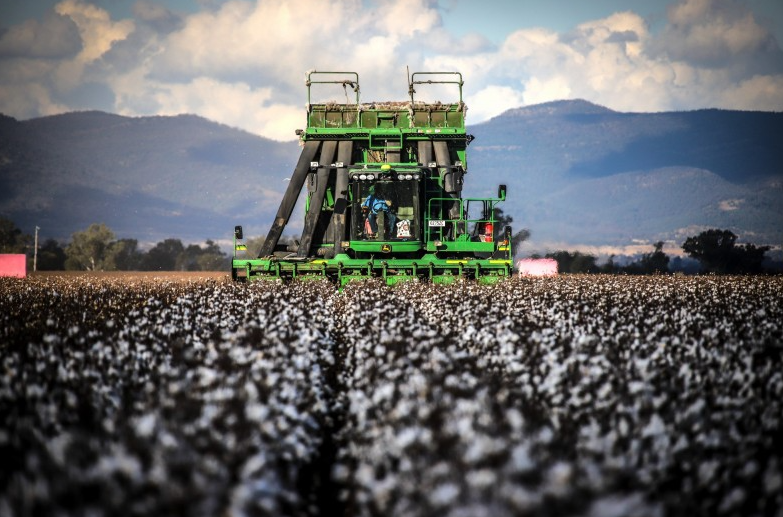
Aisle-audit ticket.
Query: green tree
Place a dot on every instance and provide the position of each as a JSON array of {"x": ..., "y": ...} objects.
[
  {"x": 657, "y": 261},
  {"x": 208, "y": 258},
  {"x": 574, "y": 262},
  {"x": 610, "y": 266},
  {"x": 12, "y": 240},
  {"x": 188, "y": 259},
  {"x": 212, "y": 258},
  {"x": 164, "y": 256},
  {"x": 654, "y": 262},
  {"x": 717, "y": 252},
  {"x": 51, "y": 256},
  {"x": 124, "y": 255},
  {"x": 88, "y": 249}
]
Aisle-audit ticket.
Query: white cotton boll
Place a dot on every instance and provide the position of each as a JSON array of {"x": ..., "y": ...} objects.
[
  {"x": 623, "y": 427},
  {"x": 57, "y": 447},
  {"x": 772, "y": 479},
  {"x": 750, "y": 469},
  {"x": 365, "y": 475},
  {"x": 341, "y": 473},
  {"x": 480, "y": 447},
  {"x": 635, "y": 387},
  {"x": 604, "y": 391},
  {"x": 444, "y": 495},
  {"x": 520, "y": 458},
  {"x": 382, "y": 491},
  {"x": 207, "y": 376},
  {"x": 655, "y": 427},
  {"x": 515, "y": 419},
  {"x": 520, "y": 497},
  {"x": 545, "y": 435},
  {"x": 145, "y": 425},
  {"x": 559, "y": 478},
  {"x": 681, "y": 444},
  {"x": 383, "y": 392},
  {"x": 406, "y": 437},
  {"x": 291, "y": 412},
  {"x": 253, "y": 465},
  {"x": 208, "y": 413},
  {"x": 707, "y": 472},
  {"x": 481, "y": 479},
  {"x": 622, "y": 506},
  {"x": 733, "y": 499},
  {"x": 119, "y": 461},
  {"x": 695, "y": 408}
]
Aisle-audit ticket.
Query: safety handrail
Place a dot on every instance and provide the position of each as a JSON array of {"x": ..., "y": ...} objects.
[
  {"x": 428, "y": 230},
  {"x": 413, "y": 81},
  {"x": 354, "y": 84}
]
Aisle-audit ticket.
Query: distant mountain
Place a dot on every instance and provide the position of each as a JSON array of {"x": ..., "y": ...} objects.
[
  {"x": 148, "y": 178},
  {"x": 581, "y": 173},
  {"x": 578, "y": 174}
]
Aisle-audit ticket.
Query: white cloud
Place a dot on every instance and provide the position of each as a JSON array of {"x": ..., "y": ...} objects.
[
  {"x": 492, "y": 101},
  {"x": 241, "y": 62},
  {"x": 715, "y": 33},
  {"x": 550, "y": 89},
  {"x": 257, "y": 53},
  {"x": 757, "y": 93},
  {"x": 97, "y": 30},
  {"x": 729, "y": 205},
  {"x": 54, "y": 37},
  {"x": 29, "y": 97}
]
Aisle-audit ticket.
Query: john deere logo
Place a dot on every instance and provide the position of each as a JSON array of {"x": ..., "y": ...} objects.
[{"x": 386, "y": 248}]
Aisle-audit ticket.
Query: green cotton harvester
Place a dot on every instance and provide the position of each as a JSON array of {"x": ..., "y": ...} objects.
[{"x": 383, "y": 195}]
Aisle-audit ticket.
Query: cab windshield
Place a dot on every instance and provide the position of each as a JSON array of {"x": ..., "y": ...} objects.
[{"x": 386, "y": 210}]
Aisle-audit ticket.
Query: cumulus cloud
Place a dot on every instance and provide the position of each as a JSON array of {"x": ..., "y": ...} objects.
[
  {"x": 29, "y": 97},
  {"x": 716, "y": 34},
  {"x": 484, "y": 104},
  {"x": 162, "y": 19},
  {"x": 711, "y": 54},
  {"x": 54, "y": 37},
  {"x": 228, "y": 103},
  {"x": 72, "y": 36},
  {"x": 97, "y": 30},
  {"x": 241, "y": 62}
]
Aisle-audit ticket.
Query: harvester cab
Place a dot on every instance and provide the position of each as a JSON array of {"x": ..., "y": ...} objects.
[{"x": 383, "y": 195}]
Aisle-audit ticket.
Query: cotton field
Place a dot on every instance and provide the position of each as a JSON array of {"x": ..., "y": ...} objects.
[{"x": 571, "y": 395}]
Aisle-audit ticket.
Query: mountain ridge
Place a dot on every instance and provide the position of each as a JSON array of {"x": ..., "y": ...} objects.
[{"x": 633, "y": 176}]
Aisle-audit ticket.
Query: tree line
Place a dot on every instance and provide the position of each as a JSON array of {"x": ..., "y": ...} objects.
[
  {"x": 715, "y": 250},
  {"x": 98, "y": 249}
]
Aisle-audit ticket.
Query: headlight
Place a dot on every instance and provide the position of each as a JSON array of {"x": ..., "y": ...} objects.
[
  {"x": 362, "y": 176},
  {"x": 370, "y": 176}
]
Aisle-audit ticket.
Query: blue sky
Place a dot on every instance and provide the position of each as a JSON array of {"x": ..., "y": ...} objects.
[{"x": 242, "y": 62}]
